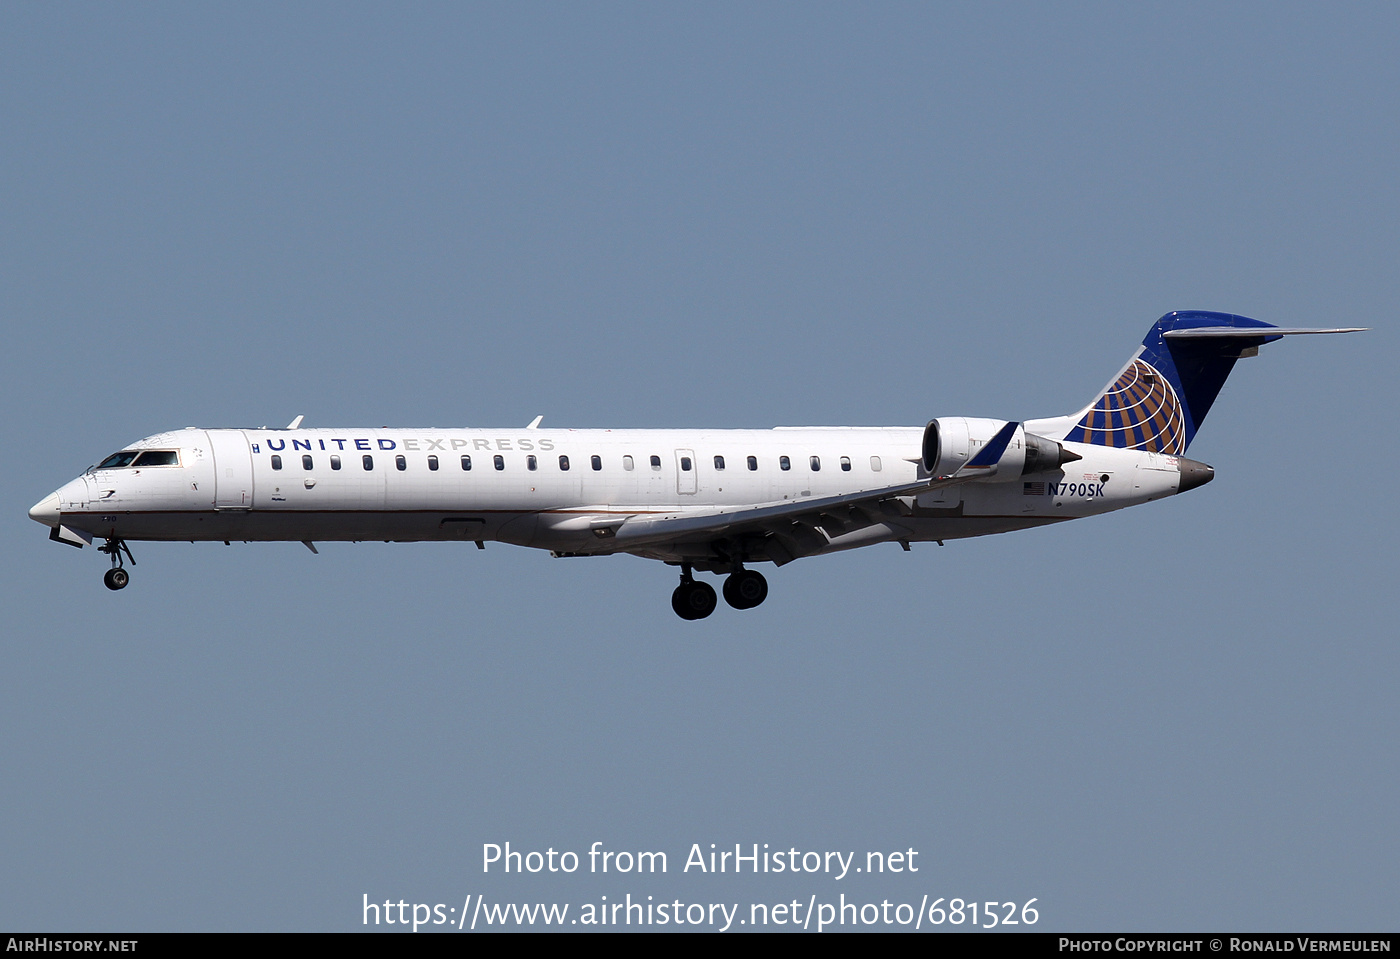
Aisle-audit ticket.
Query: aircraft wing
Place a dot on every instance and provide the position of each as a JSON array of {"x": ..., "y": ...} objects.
[{"x": 797, "y": 525}]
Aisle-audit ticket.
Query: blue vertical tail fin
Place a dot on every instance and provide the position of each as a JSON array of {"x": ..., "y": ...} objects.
[{"x": 1159, "y": 400}]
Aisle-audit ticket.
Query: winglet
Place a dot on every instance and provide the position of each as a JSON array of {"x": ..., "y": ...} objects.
[
  {"x": 535, "y": 423},
  {"x": 296, "y": 423}
]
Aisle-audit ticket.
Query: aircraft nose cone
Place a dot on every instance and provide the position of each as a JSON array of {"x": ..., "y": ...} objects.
[
  {"x": 1193, "y": 474},
  {"x": 46, "y": 510}
]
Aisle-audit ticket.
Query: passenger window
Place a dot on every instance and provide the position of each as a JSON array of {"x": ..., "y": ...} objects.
[
  {"x": 400, "y": 463},
  {"x": 432, "y": 463},
  {"x": 719, "y": 462},
  {"x": 597, "y": 461},
  {"x": 306, "y": 461},
  {"x": 656, "y": 462},
  {"x": 335, "y": 462},
  {"x": 753, "y": 462},
  {"x": 367, "y": 461},
  {"x": 875, "y": 463},
  {"x": 816, "y": 462},
  {"x": 685, "y": 464},
  {"x": 466, "y": 463},
  {"x": 117, "y": 460},
  {"x": 627, "y": 463},
  {"x": 531, "y": 463},
  {"x": 845, "y": 464},
  {"x": 564, "y": 463},
  {"x": 158, "y": 458},
  {"x": 500, "y": 461},
  {"x": 276, "y": 461},
  {"x": 784, "y": 463}
]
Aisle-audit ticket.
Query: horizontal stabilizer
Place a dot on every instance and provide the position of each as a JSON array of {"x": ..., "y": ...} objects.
[{"x": 1238, "y": 333}]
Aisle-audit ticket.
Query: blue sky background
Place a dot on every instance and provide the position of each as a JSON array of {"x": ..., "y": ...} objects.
[{"x": 1177, "y": 717}]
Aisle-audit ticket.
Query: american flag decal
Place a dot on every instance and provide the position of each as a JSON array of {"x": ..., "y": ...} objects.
[{"x": 1033, "y": 489}]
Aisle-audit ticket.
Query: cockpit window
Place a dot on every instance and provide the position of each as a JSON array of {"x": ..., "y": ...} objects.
[
  {"x": 158, "y": 458},
  {"x": 117, "y": 460}
]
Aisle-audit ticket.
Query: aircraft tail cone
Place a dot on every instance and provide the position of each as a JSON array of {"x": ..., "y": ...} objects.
[{"x": 1193, "y": 474}]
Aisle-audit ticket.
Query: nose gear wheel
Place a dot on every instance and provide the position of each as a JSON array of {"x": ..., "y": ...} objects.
[{"x": 117, "y": 577}]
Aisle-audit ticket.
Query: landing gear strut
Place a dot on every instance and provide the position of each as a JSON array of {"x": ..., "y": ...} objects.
[
  {"x": 692, "y": 598},
  {"x": 117, "y": 577},
  {"x": 745, "y": 589}
]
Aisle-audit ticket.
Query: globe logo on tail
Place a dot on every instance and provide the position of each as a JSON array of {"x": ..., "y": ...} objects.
[{"x": 1139, "y": 411}]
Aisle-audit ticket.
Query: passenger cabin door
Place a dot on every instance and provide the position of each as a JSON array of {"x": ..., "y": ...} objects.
[
  {"x": 685, "y": 471},
  {"x": 233, "y": 469}
]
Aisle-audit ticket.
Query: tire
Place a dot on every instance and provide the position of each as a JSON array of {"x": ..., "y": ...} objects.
[
  {"x": 694, "y": 600},
  {"x": 116, "y": 578},
  {"x": 745, "y": 589}
]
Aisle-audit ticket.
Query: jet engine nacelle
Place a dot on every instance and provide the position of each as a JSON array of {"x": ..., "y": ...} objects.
[{"x": 961, "y": 443}]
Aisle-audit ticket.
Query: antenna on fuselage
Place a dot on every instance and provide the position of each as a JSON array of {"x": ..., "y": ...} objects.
[
  {"x": 534, "y": 423},
  {"x": 296, "y": 423}
]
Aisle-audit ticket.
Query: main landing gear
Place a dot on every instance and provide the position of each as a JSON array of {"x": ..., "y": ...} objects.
[
  {"x": 743, "y": 589},
  {"x": 117, "y": 577},
  {"x": 692, "y": 598}
]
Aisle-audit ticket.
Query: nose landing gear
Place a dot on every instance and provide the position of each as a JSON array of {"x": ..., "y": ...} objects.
[{"x": 117, "y": 577}]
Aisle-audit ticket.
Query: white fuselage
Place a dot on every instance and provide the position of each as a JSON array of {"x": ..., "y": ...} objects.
[{"x": 512, "y": 486}]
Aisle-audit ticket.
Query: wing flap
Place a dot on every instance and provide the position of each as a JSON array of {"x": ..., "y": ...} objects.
[{"x": 803, "y": 525}]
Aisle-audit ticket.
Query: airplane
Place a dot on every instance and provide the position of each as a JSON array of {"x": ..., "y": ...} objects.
[{"x": 711, "y": 501}]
